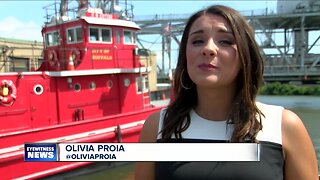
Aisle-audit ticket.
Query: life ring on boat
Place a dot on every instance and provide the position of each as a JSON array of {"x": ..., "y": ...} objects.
[
  {"x": 75, "y": 55},
  {"x": 8, "y": 92},
  {"x": 53, "y": 60},
  {"x": 53, "y": 57}
]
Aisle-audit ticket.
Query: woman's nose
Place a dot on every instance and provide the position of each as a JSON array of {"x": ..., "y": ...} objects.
[{"x": 210, "y": 49}]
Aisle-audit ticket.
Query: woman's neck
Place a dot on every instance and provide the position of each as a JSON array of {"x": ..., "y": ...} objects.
[{"x": 215, "y": 104}]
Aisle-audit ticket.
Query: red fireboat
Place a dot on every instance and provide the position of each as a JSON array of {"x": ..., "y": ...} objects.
[{"x": 90, "y": 87}]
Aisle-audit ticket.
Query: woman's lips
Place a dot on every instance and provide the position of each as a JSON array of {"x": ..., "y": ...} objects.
[{"x": 207, "y": 67}]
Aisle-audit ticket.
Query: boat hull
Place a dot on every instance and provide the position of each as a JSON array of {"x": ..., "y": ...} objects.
[{"x": 117, "y": 128}]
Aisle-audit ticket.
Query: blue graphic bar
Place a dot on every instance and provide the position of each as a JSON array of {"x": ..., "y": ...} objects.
[{"x": 35, "y": 152}]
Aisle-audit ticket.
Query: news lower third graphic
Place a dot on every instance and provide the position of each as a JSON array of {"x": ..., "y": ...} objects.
[
  {"x": 131, "y": 152},
  {"x": 91, "y": 152},
  {"x": 40, "y": 152}
]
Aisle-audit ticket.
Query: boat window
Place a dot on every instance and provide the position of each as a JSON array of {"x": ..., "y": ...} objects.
[
  {"x": 118, "y": 37},
  {"x": 101, "y": 35},
  {"x": 79, "y": 34},
  {"x": 106, "y": 37},
  {"x": 70, "y": 35},
  {"x": 77, "y": 87},
  {"x": 126, "y": 82},
  {"x": 74, "y": 35},
  {"x": 94, "y": 34},
  {"x": 109, "y": 84},
  {"x": 52, "y": 38},
  {"x": 129, "y": 37},
  {"x": 92, "y": 85},
  {"x": 38, "y": 89},
  {"x": 142, "y": 84}
]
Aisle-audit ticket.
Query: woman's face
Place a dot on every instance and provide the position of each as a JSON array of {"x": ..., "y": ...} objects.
[{"x": 212, "y": 55}]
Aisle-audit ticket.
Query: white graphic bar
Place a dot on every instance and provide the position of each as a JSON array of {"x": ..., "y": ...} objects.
[{"x": 159, "y": 152}]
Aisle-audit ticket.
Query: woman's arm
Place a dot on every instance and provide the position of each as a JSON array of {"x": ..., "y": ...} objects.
[
  {"x": 145, "y": 170},
  {"x": 300, "y": 157}
]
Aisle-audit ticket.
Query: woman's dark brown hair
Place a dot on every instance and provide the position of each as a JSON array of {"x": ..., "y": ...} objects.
[{"x": 245, "y": 115}]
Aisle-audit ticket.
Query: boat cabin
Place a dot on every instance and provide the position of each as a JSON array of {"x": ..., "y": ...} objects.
[{"x": 94, "y": 40}]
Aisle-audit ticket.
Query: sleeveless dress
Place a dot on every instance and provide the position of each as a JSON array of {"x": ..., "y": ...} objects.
[{"x": 270, "y": 166}]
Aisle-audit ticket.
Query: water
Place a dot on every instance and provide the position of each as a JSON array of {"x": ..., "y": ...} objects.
[
  {"x": 307, "y": 108},
  {"x": 122, "y": 172}
]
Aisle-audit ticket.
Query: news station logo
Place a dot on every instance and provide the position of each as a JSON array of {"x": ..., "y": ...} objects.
[{"x": 40, "y": 152}]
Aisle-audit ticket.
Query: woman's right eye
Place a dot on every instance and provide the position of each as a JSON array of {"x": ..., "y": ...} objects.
[{"x": 198, "y": 41}]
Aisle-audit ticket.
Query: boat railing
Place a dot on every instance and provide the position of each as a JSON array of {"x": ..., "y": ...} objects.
[{"x": 53, "y": 10}]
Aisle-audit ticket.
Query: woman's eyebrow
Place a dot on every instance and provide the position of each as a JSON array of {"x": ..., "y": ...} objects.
[
  {"x": 219, "y": 30},
  {"x": 223, "y": 30},
  {"x": 197, "y": 32}
]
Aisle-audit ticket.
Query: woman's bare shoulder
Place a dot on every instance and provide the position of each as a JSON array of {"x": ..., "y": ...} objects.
[
  {"x": 300, "y": 157},
  {"x": 150, "y": 128},
  {"x": 145, "y": 170},
  {"x": 293, "y": 126}
]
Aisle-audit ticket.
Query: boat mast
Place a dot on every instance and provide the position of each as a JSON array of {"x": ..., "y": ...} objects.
[
  {"x": 82, "y": 4},
  {"x": 63, "y": 8}
]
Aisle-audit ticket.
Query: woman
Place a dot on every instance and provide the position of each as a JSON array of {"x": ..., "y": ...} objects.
[{"x": 216, "y": 81}]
